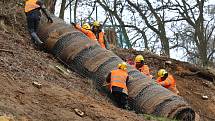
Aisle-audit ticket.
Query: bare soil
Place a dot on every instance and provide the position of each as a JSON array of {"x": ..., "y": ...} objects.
[
  {"x": 21, "y": 64},
  {"x": 192, "y": 82}
]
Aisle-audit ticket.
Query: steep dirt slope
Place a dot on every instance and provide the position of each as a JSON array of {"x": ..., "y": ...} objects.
[
  {"x": 21, "y": 65},
  {"x": 192, "y": 82}
]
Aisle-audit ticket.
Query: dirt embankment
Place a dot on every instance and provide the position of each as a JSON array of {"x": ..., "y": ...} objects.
[
  {"x": 21, "y": 65},
  {"x": 193, "y": 82}
]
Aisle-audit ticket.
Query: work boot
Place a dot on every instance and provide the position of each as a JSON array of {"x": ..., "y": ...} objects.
[
  {"x": 127, "y": 107},
  {"x": 36, "y": 39}
]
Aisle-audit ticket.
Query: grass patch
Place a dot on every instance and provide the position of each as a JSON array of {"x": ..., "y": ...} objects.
[{"x": 155, "y": 118}]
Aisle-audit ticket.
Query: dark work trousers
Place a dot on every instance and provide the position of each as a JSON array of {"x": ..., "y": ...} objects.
[
  {"x": 120, "y": 98},
  {"x": 33, "y": 24},
  {"x": 33, "y": 19}
]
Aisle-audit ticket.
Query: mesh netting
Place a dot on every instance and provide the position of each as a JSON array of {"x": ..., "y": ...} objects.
[
  {"x": 175, "y": 107},
  {"x": 88, "y": 59},
  {"x": 104, "y": 69},
  {"x": 79, "y": 60},
  {"x": 44, "y": 33},
  {"x": 56, "y": 34},
  {"x": 70, "y": 51},
  {"x": 184, "y": 114},
  {"x": 61, "y": 43}
]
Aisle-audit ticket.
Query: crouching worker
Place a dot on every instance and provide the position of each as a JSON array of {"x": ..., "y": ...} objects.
[
  {"x": 141, "y": 66},
  {"x": 117, "y": 80},
  {"x": 32, "y": 11},
  {"x": 86, "y": 29},
  {"x": 97, "y": 30},
  {"x": 166, "y": 80}
]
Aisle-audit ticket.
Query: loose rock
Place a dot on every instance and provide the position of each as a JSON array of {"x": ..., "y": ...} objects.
[{"x": 37, "y": 84}]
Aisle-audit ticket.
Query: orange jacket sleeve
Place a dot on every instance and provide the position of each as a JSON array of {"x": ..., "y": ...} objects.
[
  {"x": 101, "y": 39},
  {"x": 81, "y": 29},
  {"x": 145, "y": 69},
  {"x": 88, "y": 33},
  {"x": 165, "y": 83},
  {"x": 169, "y": 81}
]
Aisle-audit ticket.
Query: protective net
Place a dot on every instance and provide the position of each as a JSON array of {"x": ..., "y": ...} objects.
[{"x": 87, "y": 58}]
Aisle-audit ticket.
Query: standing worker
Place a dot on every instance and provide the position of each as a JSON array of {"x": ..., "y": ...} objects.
[
  {"x": 97, "y": 30},
  {"x": 117, "y": 80},
  {"x": 166, "y": 80},
  {"x": 32, "y": 11},
  {"x": 141, "y": 66},
  {"x": 86, "y": 30}
]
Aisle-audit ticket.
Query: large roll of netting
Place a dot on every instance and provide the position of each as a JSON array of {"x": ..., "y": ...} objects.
[{"x": 87, "y": 58}]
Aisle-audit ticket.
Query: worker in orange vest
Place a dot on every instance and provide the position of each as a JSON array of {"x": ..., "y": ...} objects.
[
  {"x": 32, "y": 11},
  {"x": 117, "y": 80},
  {"x": 166, "y": 80},
  {"x": 86, "y": 30},
  {"x": 96, "y": 28},
  {"x": 141, "y": 66}
]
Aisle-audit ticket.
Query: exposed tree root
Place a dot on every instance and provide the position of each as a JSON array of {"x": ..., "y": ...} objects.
[{"x": 2, "y": 24}]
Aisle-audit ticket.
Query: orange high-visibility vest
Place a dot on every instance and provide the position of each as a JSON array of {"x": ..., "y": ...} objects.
[
  {"x": 118, "y": 79},
  {"x": 168, "y": 83},
  {"x": 88, "y": 33},
  {"x": 145, "y": 70},
  {"x": 101, "y": 39},
  {"x": 31, "y": 5}
]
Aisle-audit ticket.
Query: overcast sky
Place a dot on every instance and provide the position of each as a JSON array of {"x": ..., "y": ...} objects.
[{"x": 83, "y": 12}]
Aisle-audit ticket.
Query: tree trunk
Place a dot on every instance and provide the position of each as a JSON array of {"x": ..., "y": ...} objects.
[
  {"x": 165, "y": 44},
  {"x": 50, "y": 5},
  {"x": 52, "y": 8},
  {"x": 63, "y": 4},
  {"x": 202, "y": 46},
  {"x": 111, "y": 36},
  {"x": 145, "y": 41},
  {"x": 75, "y": 10},
  {"x": 200, "y": 36},
  {"x": 160, "y": 31}
]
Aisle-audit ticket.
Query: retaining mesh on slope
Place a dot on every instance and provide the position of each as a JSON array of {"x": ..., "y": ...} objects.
[
  {"x": 175, "y": 106},
  {"x": 104, "y": 69},
  {"x": 44, "y": 34},
  {"x": 80, "y": 59},
  {"x": 62, "y": 41},
  {"x": 70, "y": 51},
  {"x": 183, "y": 114},
  {"x": 88, "y": 59},
  {"x": 55, "y": 35}
]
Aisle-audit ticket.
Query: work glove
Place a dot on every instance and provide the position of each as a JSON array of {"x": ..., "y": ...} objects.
[{"x": 50, "y": 20}]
